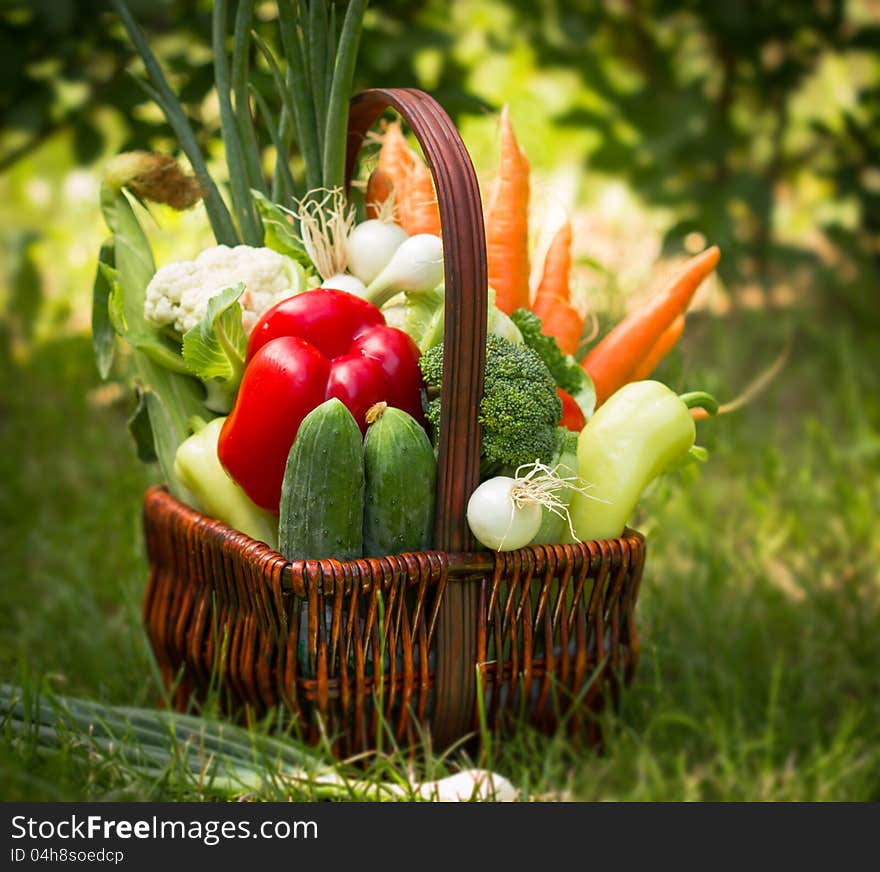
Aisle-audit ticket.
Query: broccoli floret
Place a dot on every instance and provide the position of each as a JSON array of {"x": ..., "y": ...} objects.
[
  {"x": 565, "y": 369},
  {"x": 520, "y": 409}
]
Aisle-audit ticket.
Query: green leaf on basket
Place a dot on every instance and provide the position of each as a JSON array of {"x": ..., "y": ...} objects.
[
  {"x": 103, "y": 331},
  {"x": 140, "y": 428},
  {"x": 166, "y": 441}
]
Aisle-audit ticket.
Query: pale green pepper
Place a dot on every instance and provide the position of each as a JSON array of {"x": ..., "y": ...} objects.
[
  {"x": 640, "y": 432},
  {"x": 198, "y": 468},
  {"x": 554, "y": 525}
]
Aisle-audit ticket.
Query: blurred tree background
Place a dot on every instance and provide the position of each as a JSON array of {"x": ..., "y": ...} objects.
[
  {"x": 755, "y": 125},
  {"x": 660, "y": 127}
]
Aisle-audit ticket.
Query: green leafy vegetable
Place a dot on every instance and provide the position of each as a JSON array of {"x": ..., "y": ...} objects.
[
  {"x": 140, "y": 335},
  {"x": 214, "y": 349},
  {"x": 248, "y": 220},
  {"x": 567, "y": 372},
  {"x": 213, "y": 756},
  {"x": 221, "y": 221},
  {"x": 283, "y": 185},
  {"x": 335, "y": 137},
  {"x": 241, "y": 90},
  {"x": 280, "y": 233},
  {"x": 302, "y": 109},
  {"x": 565, "y": 369}
]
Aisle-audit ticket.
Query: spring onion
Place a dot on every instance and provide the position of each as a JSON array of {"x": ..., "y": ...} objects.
[
  {"x": 416, "y": 266},
  {"x": 371, "y": 245}
]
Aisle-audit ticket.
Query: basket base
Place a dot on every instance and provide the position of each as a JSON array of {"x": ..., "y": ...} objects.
[{"x": 349, "y": 649}]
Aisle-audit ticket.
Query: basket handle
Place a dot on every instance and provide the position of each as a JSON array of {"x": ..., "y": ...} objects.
[
  {"x": 464, "y": 264},
  {"x": 464, "y": 352}
]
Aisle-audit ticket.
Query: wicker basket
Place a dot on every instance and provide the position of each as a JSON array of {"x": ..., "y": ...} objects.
[{"x": 400, "y": 643}]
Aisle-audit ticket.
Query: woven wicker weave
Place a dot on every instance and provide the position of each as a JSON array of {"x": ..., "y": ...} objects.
[{"x": 403, "y": 640}]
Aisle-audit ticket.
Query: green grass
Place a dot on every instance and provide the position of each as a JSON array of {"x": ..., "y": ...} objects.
[{"x": 758, "y": 612}]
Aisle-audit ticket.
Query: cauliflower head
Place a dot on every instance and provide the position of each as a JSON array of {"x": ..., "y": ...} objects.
[{"x": 178, "y": 293}]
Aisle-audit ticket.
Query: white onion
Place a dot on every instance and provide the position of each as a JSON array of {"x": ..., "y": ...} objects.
[
  {"x": 497, "y": 520},
  {"x": 370, "y": 246},
  {"x": 345, "y": 282},
  {"x": 416, "y": 266}
]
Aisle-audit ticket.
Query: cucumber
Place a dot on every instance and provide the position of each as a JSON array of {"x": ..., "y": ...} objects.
[
  {"x": 322, "y": 495},
  {"x": 401, "y": 475}
]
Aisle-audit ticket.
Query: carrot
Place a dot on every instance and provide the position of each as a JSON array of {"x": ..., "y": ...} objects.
[
  {"x": 380, "y": 188},
  {"x": 418, "y": 209},
  {"x": 661, "y": 348},
  {"x": 552, "y": 299},
  {"x": 507, "y": 226},
  {"x": 395, "y": 156},
  {"x": 557, "y": 266},
  {"x": 622, "y": 350},
  {"x": 560, "y": 320},
  {"x": 396, "y": 161}
]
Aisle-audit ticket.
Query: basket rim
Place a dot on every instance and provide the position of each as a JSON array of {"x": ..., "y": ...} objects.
[{"x": 459, "y": 564}]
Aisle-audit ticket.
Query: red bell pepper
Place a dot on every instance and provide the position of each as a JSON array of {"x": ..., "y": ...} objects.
[
  {"x": 572, "y": 416},
  {"x": 304, "y": 350}
]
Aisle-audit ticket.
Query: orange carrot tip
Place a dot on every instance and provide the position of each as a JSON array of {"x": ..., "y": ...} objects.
[
  {"x": 557, "y": 265},
  {"x": 507, "y": 230},
  {"x": 395, "y": 161},
  {"x": 659, "y": 350},
  {"x": 380, "y": 196},
  {"x": 419, "y": 210},
  {"x": 611, "y": 362}
]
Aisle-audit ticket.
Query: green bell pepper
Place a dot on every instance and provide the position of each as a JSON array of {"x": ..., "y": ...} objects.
[
  {"x": 640, "y": 432},
  {"x": 198, "y": 468}
]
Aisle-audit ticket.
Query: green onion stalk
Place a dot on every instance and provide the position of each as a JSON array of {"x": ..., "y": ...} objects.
[
  {"x": 220, "y": 758},
  {"x": 313, "y": 79}
]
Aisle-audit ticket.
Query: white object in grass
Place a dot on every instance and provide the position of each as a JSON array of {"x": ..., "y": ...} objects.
[
  {"x": 371, "y": 245},
  {"x": 469, "y": 785}
]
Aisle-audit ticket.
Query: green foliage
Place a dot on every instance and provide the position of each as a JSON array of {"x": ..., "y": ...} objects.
[
  {"x": 25, "y": 286},
  {"x": 173, "y": 396},
  {"x": 279, "y": 233}
]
